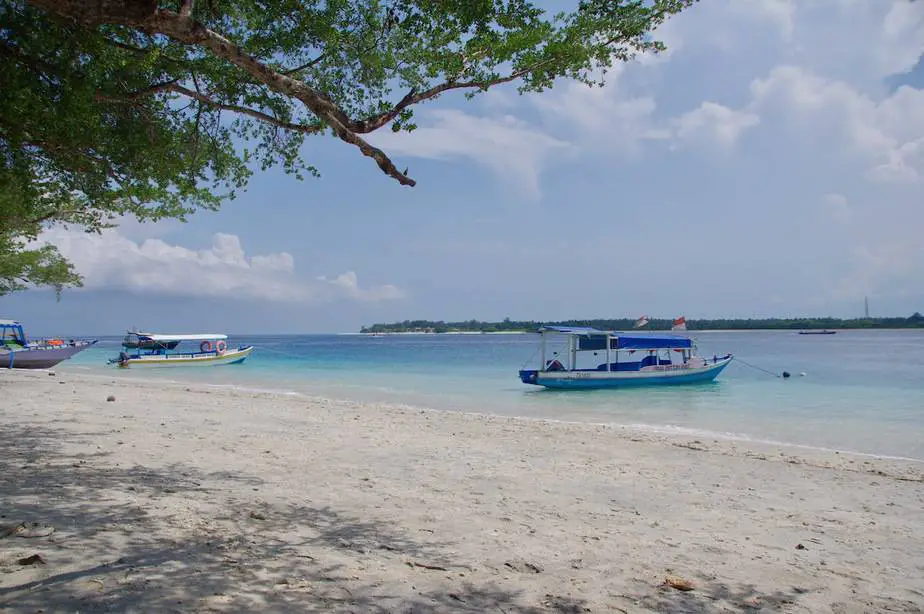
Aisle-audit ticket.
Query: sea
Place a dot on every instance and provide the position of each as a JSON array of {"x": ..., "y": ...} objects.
[{"x": 854, "y": 391}]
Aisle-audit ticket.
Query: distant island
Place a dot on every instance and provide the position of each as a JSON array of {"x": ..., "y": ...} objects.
[{"x": 525, "y": 326}]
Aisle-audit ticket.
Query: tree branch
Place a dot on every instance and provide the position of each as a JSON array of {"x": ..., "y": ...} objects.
[
  {"x": 172, "y": 86},
  {"x": 413, "y": 97},
  {"x": 308, "y": 64},
  {"x": 145, "y": 15}
]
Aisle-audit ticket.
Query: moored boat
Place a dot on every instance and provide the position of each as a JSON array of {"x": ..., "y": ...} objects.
[
  {"x": 17, "y": 352},
  {"x": 159, "y": 350},
  {"x": 631, "y": 359}
]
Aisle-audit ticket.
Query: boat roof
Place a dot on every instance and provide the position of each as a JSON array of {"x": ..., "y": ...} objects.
[
  {"x": 639, "y": 341},
  {"x": 165, "y": 337},
  {"x": 9, "y": 323},
  {"x": 576, "y": 330}
]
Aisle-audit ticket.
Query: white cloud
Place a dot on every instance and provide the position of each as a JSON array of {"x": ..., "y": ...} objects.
[
  {"x": 882, "y": 267},
  {"x": 826, "y": 88},
  {"x": 781, "y": 13},
  {"x": 112, "y": 261},
  {"x": 714, "y": 123},
  {"x": 349, "y": 285},
  {"x": 836, "y": 207},
  {"x": 888, "y": 133},
  {"x": 901, "y": 37},
  {"x": 504, "y": 144},
  {"x": 601, "y": 116}
]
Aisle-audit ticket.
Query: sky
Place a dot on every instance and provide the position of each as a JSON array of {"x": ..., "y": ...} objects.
[{"x": 770, "y": 163}]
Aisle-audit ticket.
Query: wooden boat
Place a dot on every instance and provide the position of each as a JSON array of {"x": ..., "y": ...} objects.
[
  {"x": 159, "y": 350},
  {"x": 631, "y": 359},
  {"x": 17, "y": 352}
]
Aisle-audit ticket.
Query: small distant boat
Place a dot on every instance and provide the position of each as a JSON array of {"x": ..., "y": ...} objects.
[
  {"x": 631, "y": 359},
  {"x": 817, "y": 332},
  {"x": 17, "y": 352},
  {"x": 159, "y": 350}
]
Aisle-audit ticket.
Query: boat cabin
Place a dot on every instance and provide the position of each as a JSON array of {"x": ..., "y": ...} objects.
[
  {"x": 161, "y": 344},
  {"x": 578, "y": 357},
  {"x": 590, "y": 349}
]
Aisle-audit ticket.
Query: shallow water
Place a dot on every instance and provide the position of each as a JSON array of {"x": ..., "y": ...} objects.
[{"x": 862, "y": 391}]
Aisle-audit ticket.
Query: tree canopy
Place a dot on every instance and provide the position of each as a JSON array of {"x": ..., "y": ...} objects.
[{"x": 156, "y": 109}]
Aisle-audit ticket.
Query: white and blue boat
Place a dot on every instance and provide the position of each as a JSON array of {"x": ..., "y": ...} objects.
[
  {"x": 159, "y": 350},
  {"x": 628, "y": 359}
]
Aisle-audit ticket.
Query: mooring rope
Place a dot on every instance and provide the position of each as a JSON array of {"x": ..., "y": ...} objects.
[{"x": 746, "y": 363}]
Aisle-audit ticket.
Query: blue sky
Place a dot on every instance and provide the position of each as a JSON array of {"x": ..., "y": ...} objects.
[{"x": 769, "y": 164}]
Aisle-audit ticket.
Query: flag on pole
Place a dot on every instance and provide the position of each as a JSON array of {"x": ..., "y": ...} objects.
[
  {"x": 680, "y": 324},
  {"x": 642, "y": 321}
]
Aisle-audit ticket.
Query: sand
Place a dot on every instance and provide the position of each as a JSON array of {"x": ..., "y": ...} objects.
[{"x": 186, "y": 498}]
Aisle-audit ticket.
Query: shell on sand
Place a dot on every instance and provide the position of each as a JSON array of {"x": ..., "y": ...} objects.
[{"x": 679, "y": 583}]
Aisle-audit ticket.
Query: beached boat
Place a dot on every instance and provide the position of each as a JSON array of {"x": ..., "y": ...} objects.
[
  {"x": 159, "y": 350},
  {"x": 630, "y": 359},
  {"x": 17, "y": 352}
]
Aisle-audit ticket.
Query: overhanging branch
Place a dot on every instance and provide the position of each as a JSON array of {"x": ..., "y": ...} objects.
[
  {"x": 182, "y": 27},
  {"x": 413, "y": 97},
  {"x": 173, "y": 86}
]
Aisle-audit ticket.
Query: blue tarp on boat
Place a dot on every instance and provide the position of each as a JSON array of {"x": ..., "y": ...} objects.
[{"x": 594, "y": 339}]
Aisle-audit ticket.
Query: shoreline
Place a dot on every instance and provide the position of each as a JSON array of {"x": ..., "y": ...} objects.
[
  {"x": 666, "y": 431},
  {"x": 263, "y": 387},
  {"x": 187, "y": 497}
]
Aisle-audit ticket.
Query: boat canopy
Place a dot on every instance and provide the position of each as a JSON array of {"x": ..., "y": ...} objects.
[
  {"x": 197, "y": 337},
  {"x": 12, "y": 331},
  {"x": 595, "y": 339}
]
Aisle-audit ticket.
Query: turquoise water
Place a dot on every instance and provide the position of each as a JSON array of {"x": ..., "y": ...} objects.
[{"x": 862, "y": 391}]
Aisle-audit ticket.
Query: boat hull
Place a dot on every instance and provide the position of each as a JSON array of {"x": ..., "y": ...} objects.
[
  {"x": 587, "y": 380},
  {"x": 39, "y": 358},
  {"x": 198, "y": 359}
]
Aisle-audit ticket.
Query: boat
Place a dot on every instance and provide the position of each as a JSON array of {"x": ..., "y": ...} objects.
[
  {"x": 159, "y": 350},
  {"x": 631, "y": 359},
  {"x": 817, "y": 332},
  {"x": 135, "y": 340},
  {"x": 17, "y": 352}
]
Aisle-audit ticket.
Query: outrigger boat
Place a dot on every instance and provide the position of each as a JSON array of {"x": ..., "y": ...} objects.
[
  {"x": 158, "y": 350},
  {"x": 17, "y": 352},
  {"x": 631, "y": 359}
]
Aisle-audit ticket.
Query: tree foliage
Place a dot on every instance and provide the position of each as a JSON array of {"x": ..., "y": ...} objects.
[
  {"x": 429, "y": 326},
  {"x": 156, "y": 109}
]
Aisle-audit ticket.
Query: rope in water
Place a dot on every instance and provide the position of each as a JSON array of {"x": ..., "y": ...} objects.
[
  {"x": 744, "y": 362},
  {"x": 263, "y": 348}
]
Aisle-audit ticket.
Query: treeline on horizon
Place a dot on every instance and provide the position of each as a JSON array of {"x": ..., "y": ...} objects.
[{"x": 507, "y": 325}]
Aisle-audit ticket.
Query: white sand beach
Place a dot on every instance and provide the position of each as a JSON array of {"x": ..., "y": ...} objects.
[{"x": 185, "y": 498}]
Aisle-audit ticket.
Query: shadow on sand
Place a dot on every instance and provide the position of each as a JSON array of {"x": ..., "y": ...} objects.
[{"x": 136, "y": 539}]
